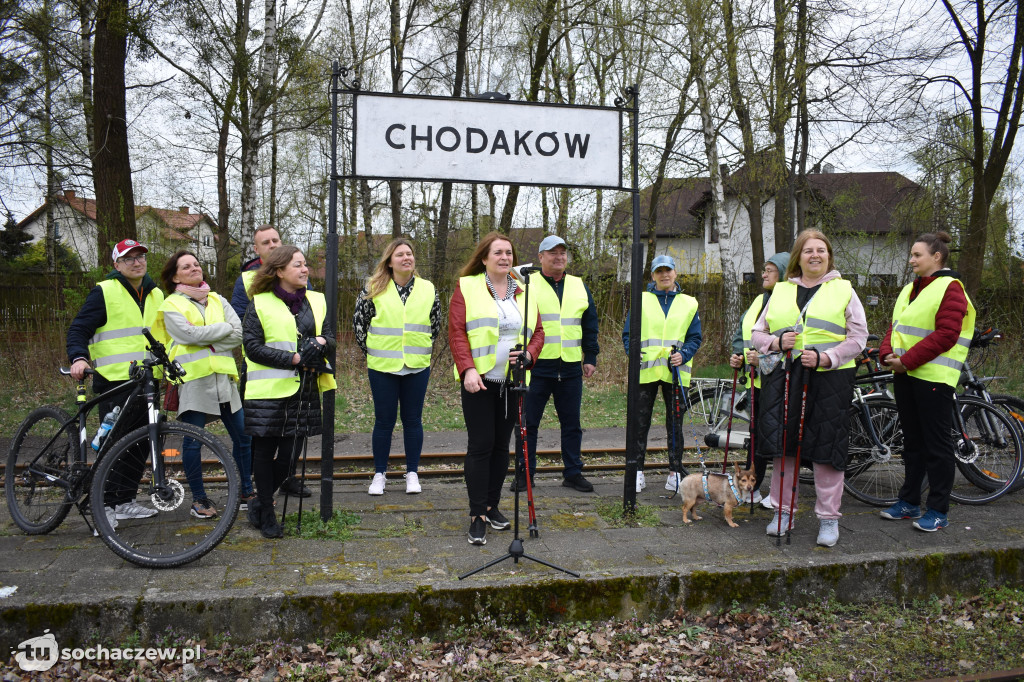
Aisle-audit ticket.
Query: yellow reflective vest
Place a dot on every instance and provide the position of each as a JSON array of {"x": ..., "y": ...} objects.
[
  {"x": 280, "y": 332},
  {"x": 200, "y": 361},
  {"x": 824, "y": 321},
  {"x": 659, "y": 332},
  {"x": 747, "y": 330},
  {"x": 482, "y": 323},
  {"x": 914, "y": 320},
  {"x": 120, "y": 341},
  {"x": 399, "y": 334},
  {"x": 563, "y": 322}
]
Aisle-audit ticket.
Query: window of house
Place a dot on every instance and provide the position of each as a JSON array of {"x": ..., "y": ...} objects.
[
  {"x": 748, "y": 278},
  {"x": 882, "y": 280}
]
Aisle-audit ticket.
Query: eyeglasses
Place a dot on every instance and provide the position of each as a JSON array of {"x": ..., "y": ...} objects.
[{"x": 132, "y": 259}]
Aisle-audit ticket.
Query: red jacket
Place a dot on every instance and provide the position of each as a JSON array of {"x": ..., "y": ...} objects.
[
  {"x": 948, "y": 322},
  {"x": 459, "y": 342}
]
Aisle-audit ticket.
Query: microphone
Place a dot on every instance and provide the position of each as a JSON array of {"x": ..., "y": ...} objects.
[{"x": 529, "y": 269}]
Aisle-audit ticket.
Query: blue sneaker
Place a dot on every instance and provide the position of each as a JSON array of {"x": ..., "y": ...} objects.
[
  {"x": 931, "y": 521},
  {"x": 901, "y": 510}
]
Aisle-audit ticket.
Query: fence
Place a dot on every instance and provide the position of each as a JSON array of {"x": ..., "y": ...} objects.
[{"x": 31, "y": 303}]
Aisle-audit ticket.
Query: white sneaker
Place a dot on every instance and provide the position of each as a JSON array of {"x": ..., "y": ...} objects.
[
  {"x": 377, "y": 487},
  {"x": 674, "y": 481},
  {"x": 133, "y": 510},
  {"x": 111, "y": 518},
  {"x": 641, "y": 482},
  {"x": 757, "y": 497},
  {"x": 412, "y": 483},
  {"x": 767, "y": 502}
]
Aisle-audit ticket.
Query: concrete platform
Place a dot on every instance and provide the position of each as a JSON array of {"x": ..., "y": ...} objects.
[{"x": 401, "y": 570}]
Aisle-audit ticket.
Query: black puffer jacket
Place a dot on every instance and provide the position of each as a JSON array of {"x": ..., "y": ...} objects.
[
  {"x": 826, "y": 417},
  {"x": 298, "y": 414}
]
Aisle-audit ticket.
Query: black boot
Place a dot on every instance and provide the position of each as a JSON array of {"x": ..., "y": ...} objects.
[
  {"x": 269, "y": 526},
  {"x": 253, "y": 513}
]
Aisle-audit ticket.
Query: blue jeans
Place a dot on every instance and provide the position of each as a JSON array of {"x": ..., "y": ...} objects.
[
  {"x": 389, "y": 392},
  {"x": 241, "y": 449},
  {"x": 568, "y": 393}
]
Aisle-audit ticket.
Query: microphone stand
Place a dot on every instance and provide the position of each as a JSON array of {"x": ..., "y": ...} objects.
[{"x": 518, "y": 384}]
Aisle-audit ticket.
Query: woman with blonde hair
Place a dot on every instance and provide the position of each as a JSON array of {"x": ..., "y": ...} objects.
[
  {"x": 485, "y": 334},
  {"x": 396, "y": 320},
  {"x": 816, "y": 318},
  {"x": 287, "y": 352}
]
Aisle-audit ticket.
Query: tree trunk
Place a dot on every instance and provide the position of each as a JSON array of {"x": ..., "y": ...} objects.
[
  {"x": 85, "y": 65},
  {"x": 112, "y": 173},
  {"x": 750, "y": 194},
  {"x": 223, "y": 200},
  {"x": 777, "y": 167}
]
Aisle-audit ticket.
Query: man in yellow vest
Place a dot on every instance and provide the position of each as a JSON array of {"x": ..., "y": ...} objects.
[
  {"x": 264, "y": 240},
  {"x": 570, "y": 351},
  {"x": 107, "y": 334}
]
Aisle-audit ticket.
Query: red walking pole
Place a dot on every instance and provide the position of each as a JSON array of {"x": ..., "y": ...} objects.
[
  {"x": 532, "y": 513},
  {"x": 753, "y": 413},
  {"x": 799, "y": 447}
]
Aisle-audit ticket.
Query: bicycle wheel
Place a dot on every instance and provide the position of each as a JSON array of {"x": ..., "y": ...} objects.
[
  {"x": 874, "y": 471},
  {"x": 988, "y": 453},
  {"x": 36, "y": 467},
  {"x": 706, "y": 405},
  {"x": 1014, "y": 408},
  {"x": 173, "y": 535}
]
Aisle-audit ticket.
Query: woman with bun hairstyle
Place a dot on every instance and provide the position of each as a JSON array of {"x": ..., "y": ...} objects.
[
  {"x": 204, "y": 330},
  {"x": 816, "y": 314},
  {"x": 485, "y": 333},
  {"x": 396, "y": 320},
  {"x": 926, "y": 345},
  {"x": 286, "y": 358}
]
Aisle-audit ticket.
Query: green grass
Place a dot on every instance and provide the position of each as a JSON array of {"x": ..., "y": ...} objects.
[
  {"x": 338, "y": 527},
  {"x": 612, "y": 512}
]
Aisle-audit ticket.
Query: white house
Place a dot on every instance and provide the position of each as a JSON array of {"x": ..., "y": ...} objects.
[
  {"x": 870, "y": 219},
  {"x": 161, "y": 230}
]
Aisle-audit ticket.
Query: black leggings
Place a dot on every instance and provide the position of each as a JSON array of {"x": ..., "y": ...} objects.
[
  {"x": 271, "y": 462},
  {"x": 490, "y": 417}
]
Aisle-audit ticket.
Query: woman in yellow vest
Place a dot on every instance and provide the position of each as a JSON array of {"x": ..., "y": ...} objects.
[
  {"x": 816, "y": 314},
  {"x": 741, "y": 354},
  {"x": 670, "y": 335},
  {"x": 926, "y": 345},
  {"x": 485, "y": 330},
  {"x": 286, "y": 357},
  {"x": 204, "y": 329},
  {"x": 396, "y": 320}
]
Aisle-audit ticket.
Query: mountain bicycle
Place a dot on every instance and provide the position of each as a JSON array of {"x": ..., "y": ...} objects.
[{"x": 49, "y": 471}]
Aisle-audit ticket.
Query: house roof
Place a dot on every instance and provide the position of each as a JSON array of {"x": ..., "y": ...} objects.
[
  {"x": 675, "y": 218},
  {"x": 175, "y": 222},
  {"x": 862, "y": 202}
]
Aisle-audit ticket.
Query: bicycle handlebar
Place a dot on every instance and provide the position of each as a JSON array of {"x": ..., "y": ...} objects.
[{"x": 984, "y": 338}]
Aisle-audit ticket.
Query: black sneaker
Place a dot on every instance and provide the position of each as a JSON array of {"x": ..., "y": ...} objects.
[
  {"x": 478, "y": 531},
  {"x": 577, "y": 482},
  {"x": 497, "y": 519},
  {"x": 293, "y": 486},
  {"x": 519, "y": 484}
]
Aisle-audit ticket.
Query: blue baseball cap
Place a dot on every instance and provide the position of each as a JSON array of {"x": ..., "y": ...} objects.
[{"x": 663, "y": 261}]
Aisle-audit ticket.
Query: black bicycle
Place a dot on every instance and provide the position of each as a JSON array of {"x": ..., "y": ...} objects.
[{"x": 51, "y": 468}]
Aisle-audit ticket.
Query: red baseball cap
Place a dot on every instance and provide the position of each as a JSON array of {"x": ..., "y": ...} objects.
[{"x": 126, "y": 245}]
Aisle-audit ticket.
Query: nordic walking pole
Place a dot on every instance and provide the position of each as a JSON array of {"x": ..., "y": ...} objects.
[
  {"x": 799, "y": 446},
  {"x": 785, "y": 425},
  {"x": 302, "y": 477},
  {"x": 753, "y": 414},
  {"x": 728, "y": 428},
  {"x": 677, "y": 420},
  {"x": 531, "y": 510},
  {"x": 295, "y": 446}
]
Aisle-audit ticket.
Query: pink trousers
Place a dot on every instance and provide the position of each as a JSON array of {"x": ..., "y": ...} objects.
[{"x": 828, "y": 487}]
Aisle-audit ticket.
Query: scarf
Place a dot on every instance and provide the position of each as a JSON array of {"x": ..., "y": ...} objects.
[
  {"x": 294, "y": 301},
  {"x": 198, "y": 294}
]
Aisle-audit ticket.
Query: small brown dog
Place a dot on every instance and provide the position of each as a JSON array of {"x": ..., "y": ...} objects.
[{"x": 719, "y": 489}]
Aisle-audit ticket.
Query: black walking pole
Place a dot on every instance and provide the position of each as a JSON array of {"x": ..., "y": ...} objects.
[
  {"x": 518, "y": 385},
  {"x": 292, "y": 456},
  {"x": 785, "y": 426}
]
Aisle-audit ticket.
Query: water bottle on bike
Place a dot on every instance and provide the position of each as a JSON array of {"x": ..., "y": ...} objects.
[{"x": 105, "y": 426}]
